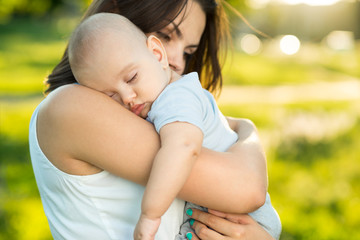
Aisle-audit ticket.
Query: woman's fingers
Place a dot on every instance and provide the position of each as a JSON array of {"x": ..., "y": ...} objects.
[
  {"x": 225, "y": 226},
  {"x": 219, "y": 224},
  {"x": 235, "y": 218},
  {"x": 205, "y": 233},
  {"x": 217, "y": 213},
  {"x": 192, "y": 236}
]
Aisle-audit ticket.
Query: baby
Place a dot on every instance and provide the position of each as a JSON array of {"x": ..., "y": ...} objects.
[{"x": 111, "y": 55}]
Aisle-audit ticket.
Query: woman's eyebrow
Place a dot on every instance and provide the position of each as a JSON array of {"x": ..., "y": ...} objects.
[
  {"x": 180, "y": 35},
  {"x": 177, "y": 30}
]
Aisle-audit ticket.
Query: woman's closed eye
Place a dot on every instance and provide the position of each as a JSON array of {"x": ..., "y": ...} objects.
[{"x": 188, "y": 56}]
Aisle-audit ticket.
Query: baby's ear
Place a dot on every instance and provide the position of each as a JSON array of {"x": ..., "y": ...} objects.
[{"x": 157, "y": 48}]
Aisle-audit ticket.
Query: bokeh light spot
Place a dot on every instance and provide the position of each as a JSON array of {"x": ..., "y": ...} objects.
[
  {"x": 290, "y": 44},
  {"x": 250, "y": 44}
]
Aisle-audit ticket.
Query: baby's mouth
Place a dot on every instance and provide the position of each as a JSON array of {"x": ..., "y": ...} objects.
[{"x": 137, "y": 108}]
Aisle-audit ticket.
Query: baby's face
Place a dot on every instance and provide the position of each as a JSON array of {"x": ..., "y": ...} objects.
[{"x": 127, "y": 71}]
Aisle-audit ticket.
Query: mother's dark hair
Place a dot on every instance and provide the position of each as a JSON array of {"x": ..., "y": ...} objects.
[{"x": 152, "y": 16}]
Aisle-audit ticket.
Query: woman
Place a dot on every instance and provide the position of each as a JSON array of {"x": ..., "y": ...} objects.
[{"x": 88, "y": 152}]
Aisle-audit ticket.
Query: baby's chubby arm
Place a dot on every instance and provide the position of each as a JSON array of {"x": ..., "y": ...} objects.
[{"x": 180, "y": 146}]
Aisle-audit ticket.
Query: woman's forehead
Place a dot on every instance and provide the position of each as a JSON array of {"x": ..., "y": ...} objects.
[{"x": 192, "y": 17}]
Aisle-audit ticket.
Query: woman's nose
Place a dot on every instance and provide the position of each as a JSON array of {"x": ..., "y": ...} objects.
[{"x": 176, "y": 58}]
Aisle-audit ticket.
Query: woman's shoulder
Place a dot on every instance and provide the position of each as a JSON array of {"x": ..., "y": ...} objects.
[
  {"x": 61, "y": 115},
  {"x": 71, "y": 101},
  {"x": 77, "y": 123},
  {"x": 70, "y": 95}
]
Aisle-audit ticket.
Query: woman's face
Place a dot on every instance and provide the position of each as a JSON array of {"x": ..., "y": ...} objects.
[{"x": 182, "y": 37}]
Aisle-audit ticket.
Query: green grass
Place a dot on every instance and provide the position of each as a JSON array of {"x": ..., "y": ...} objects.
[
  {"x": 319, "y": 197},
  {"x": 21, "y": 213},
  {"x": 28, "y": 52},
  {"x": 312, "y": 147},
  {"x": 313, "y": 181},
  {"x": 22, "y": 65}
]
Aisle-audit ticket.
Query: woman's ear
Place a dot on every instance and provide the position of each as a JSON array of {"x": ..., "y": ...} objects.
[{"x": 157, "y": 48}]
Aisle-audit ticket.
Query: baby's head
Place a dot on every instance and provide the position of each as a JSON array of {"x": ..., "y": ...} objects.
[
  {"x": 100, "y": 32},
  {"x": 110, "y": 54}
]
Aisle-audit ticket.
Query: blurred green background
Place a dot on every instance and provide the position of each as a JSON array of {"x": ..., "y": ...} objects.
[{"x": 303, "y": 94}]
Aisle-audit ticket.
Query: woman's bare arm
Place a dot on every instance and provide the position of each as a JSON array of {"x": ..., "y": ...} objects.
[
  {"x": 248, "y": 140},
  {"x": 83, "y": 131},
  {"x": 247, "y": 160}
]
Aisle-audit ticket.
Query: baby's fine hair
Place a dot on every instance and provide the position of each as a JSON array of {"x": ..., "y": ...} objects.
[{"x": 87, "y": 37}]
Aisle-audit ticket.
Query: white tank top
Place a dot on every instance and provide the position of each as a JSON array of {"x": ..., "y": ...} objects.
[{"x": 98, "y": 206}]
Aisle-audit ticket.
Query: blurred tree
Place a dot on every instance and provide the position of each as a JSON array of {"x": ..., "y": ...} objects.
[
  {"x": 237, "y": 4},
  {"x": 234, "y": 8},
  {"x": 39, "y": 8},
  {"x": 238, "y": 12},
  {"x": 35, "y": 8}
]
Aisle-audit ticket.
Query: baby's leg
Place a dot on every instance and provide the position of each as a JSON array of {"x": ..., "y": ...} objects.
[{"x": 185, "y": 227}]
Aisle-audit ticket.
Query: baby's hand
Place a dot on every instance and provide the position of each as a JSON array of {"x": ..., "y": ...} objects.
[{"x": 146, "y": 228}]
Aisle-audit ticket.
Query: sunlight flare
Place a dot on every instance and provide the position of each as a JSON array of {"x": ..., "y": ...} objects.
[
  {"x": 263, "y": 3},
  {"x": 250, "y": 44},
  {"x": 290, "y": 44}
]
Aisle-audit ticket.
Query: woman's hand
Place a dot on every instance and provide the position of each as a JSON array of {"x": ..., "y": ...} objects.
[{"x": 218, "y": 226}]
